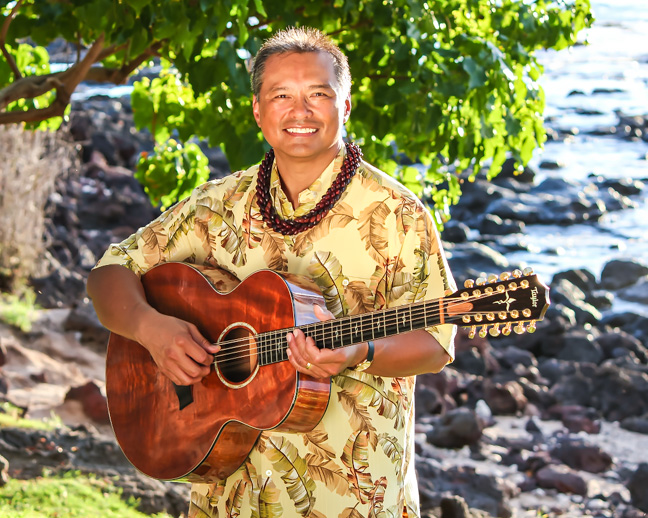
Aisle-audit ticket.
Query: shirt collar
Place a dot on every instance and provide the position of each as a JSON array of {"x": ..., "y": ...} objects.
[{"x": 310, "y": 196}]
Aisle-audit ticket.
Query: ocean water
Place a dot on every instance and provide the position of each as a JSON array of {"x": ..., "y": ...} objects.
[{"x": 610, "y": 73}]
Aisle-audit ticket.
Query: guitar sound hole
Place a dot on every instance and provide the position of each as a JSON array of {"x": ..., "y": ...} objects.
[{"x": 237, "y": 358}]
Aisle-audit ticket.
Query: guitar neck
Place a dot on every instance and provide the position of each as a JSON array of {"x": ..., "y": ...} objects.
[
  {"x": 345, "y": 331},
  {"x": 487, "y": 304}
]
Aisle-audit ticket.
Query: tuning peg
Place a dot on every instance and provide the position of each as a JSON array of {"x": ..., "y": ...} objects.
[
  {"x": 532, "y": 327},
  {"x": 524, "y": 284},
  {"x": 478, "y": 318},
  {"x": 469, "y": 283},
  {"x": 504, "y": 276},
  {"x": 507, "y": 329},
  {"x": 483, "y": 332},
  {"x": 527, "y": 271},
  {"x": 490, "y": 316},
  {"x": 480, "y": 281},
  {"x": 515, "y": 313},
  {"x": 519, "y": 329},
  {"x": 502, "y": 315},
  {"x": 492, "y": 278},
  {"x": 512, "y": 286},
  {"x": 472, "y": 332},
  {"x": 526, "y": 312},
  {"x": 465, "y": 319},
  {"x": 494, "y": 330},
  {"x": 517, "y": 273}
]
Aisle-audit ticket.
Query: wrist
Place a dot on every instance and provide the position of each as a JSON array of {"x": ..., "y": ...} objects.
[
  {"x": 144, "y": 320},
  {"x": 366, "y": 363}
]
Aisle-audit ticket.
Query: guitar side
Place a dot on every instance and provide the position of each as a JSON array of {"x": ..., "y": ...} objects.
[{"x": 204, "y": 432}]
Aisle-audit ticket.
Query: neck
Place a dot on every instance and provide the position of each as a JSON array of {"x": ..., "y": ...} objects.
[{"x": 298, "y": 174}]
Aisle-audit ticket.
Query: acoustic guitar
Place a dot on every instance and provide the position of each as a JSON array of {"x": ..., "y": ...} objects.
[{"x": 204, "y": 432}]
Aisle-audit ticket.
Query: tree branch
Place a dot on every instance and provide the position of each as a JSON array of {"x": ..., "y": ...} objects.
[
  {"x": 64, "y": 82},
  {"x": 118, "y": 76},
  {"x": 3, "y": 39},
  {"x": 56, "y": 109},
  {"x": 109, "y": 51}
]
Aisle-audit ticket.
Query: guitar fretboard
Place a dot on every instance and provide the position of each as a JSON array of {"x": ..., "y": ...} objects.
[{"x": 345, "y": 331}]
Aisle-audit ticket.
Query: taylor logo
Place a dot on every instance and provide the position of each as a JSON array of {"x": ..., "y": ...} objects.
[{"x": 534, "y": 297}]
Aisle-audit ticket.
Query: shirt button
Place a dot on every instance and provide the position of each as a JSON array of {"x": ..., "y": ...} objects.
[
  {"x": 268, "y": 473},
  {"x": 345, "y": 282}
]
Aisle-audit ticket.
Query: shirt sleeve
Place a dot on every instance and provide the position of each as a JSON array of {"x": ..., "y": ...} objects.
[
  {"x": 172, "y": 236},
  {"x": 424, "y": 274}
]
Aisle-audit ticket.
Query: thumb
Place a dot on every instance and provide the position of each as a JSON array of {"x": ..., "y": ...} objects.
[
  {"x": 202, "y": 341},
  {"x": 322, "y": 313}
]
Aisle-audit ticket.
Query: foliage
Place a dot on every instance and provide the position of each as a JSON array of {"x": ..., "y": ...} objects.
[
  {"x": 71, "y": 495},
  {"x": 450, "y": 84},
  {"x": 12, "y": 416},
  {"x": 18, "y": 309},
  {"x": 172, "y": 172}
]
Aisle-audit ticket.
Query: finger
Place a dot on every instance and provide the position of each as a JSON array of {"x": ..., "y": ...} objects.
[
  {"x": 293, "y": 362},
  {"x": 294, "y": 351},
  {"x": 188, "y": 369},
  {"x": 322, "y": 313},
  {"x": 205, "y": 344}
]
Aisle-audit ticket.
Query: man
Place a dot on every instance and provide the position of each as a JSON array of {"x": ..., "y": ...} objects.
[{"x": 312, "y": 208}]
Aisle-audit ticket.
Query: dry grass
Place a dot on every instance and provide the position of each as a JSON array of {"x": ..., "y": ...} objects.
[{"x": 30, "y": 163}]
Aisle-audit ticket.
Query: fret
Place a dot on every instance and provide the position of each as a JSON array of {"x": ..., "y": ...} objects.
[
  {"x": 357, "y": 329},
  {"x": 346, "y": 332},
  {"x": 336, "y": 333},
  {"x": 279, "y": 351},
  {"x": 391, "y": 322},
  {"x": 270, "y": 348},
  {"x": 424, "y": 307},
  {"x": 326, "y": 335},
  {"x": 379, "y": 324},
  {"x": 318, "y": 331},
  {"x": 261, "y": 350},
  {"x": 419, "y": 317}
]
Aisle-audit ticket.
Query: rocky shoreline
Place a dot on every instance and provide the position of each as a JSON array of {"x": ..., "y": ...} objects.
[{"x": 518, "y": 425}]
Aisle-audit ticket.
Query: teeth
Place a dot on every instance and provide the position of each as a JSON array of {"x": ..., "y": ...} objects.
[{"x": 302, "y": 130}]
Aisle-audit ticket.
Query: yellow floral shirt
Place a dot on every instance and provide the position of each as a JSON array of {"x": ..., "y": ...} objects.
[{"x": 377, "y": 248}]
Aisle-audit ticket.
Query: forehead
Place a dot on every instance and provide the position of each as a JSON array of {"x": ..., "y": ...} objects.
[{"x": 308, "y": 68}]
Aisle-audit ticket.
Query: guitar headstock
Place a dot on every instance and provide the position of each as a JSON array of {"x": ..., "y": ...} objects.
[{"x": 495, "y": 303}]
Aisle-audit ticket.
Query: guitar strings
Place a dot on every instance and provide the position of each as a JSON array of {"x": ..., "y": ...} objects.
[
  {"x": 276, "y": 337},
  {"x": 275, "y": 342}
]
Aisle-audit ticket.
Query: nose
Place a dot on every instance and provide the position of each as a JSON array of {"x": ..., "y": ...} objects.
[{"x": 301, "y": 107}]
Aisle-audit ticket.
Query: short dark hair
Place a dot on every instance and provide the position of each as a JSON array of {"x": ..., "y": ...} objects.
[{"x": 303, "y": 39}]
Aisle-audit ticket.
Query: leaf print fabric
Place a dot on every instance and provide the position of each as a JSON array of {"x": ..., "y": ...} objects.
[{"x": 377, "y": 248}]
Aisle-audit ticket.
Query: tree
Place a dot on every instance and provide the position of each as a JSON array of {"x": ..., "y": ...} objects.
[{"x": 450, "y": 84}]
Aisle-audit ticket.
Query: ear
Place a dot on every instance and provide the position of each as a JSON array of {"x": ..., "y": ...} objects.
[
  {"x": 347, "y": 109},
  {"x": 255, "y": 110}
]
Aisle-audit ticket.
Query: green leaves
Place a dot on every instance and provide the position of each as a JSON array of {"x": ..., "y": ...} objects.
[
  {"x": 172, "y": 172},
  {"x": 450, "y": 84}
]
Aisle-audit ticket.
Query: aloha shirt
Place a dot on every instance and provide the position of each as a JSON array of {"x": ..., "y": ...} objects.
[{"x": 377, "y": 248}]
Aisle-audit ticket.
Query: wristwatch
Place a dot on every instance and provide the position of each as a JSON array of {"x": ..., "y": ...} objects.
[{"x": 366, "y": 363}]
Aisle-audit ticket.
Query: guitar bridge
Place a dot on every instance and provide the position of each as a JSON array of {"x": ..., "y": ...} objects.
[{"x": 185, "y": 395}]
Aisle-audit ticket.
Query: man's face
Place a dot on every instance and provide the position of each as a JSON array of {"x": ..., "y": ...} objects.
[{"x": 300, "y": 108}]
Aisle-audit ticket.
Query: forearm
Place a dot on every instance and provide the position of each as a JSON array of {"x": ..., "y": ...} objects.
[
  {"x": 118, "y": 298},
  {"x": 408, "y": 354}
]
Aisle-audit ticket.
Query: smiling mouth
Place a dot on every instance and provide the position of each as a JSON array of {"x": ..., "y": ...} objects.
[{"x": 301, "y": 131}]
